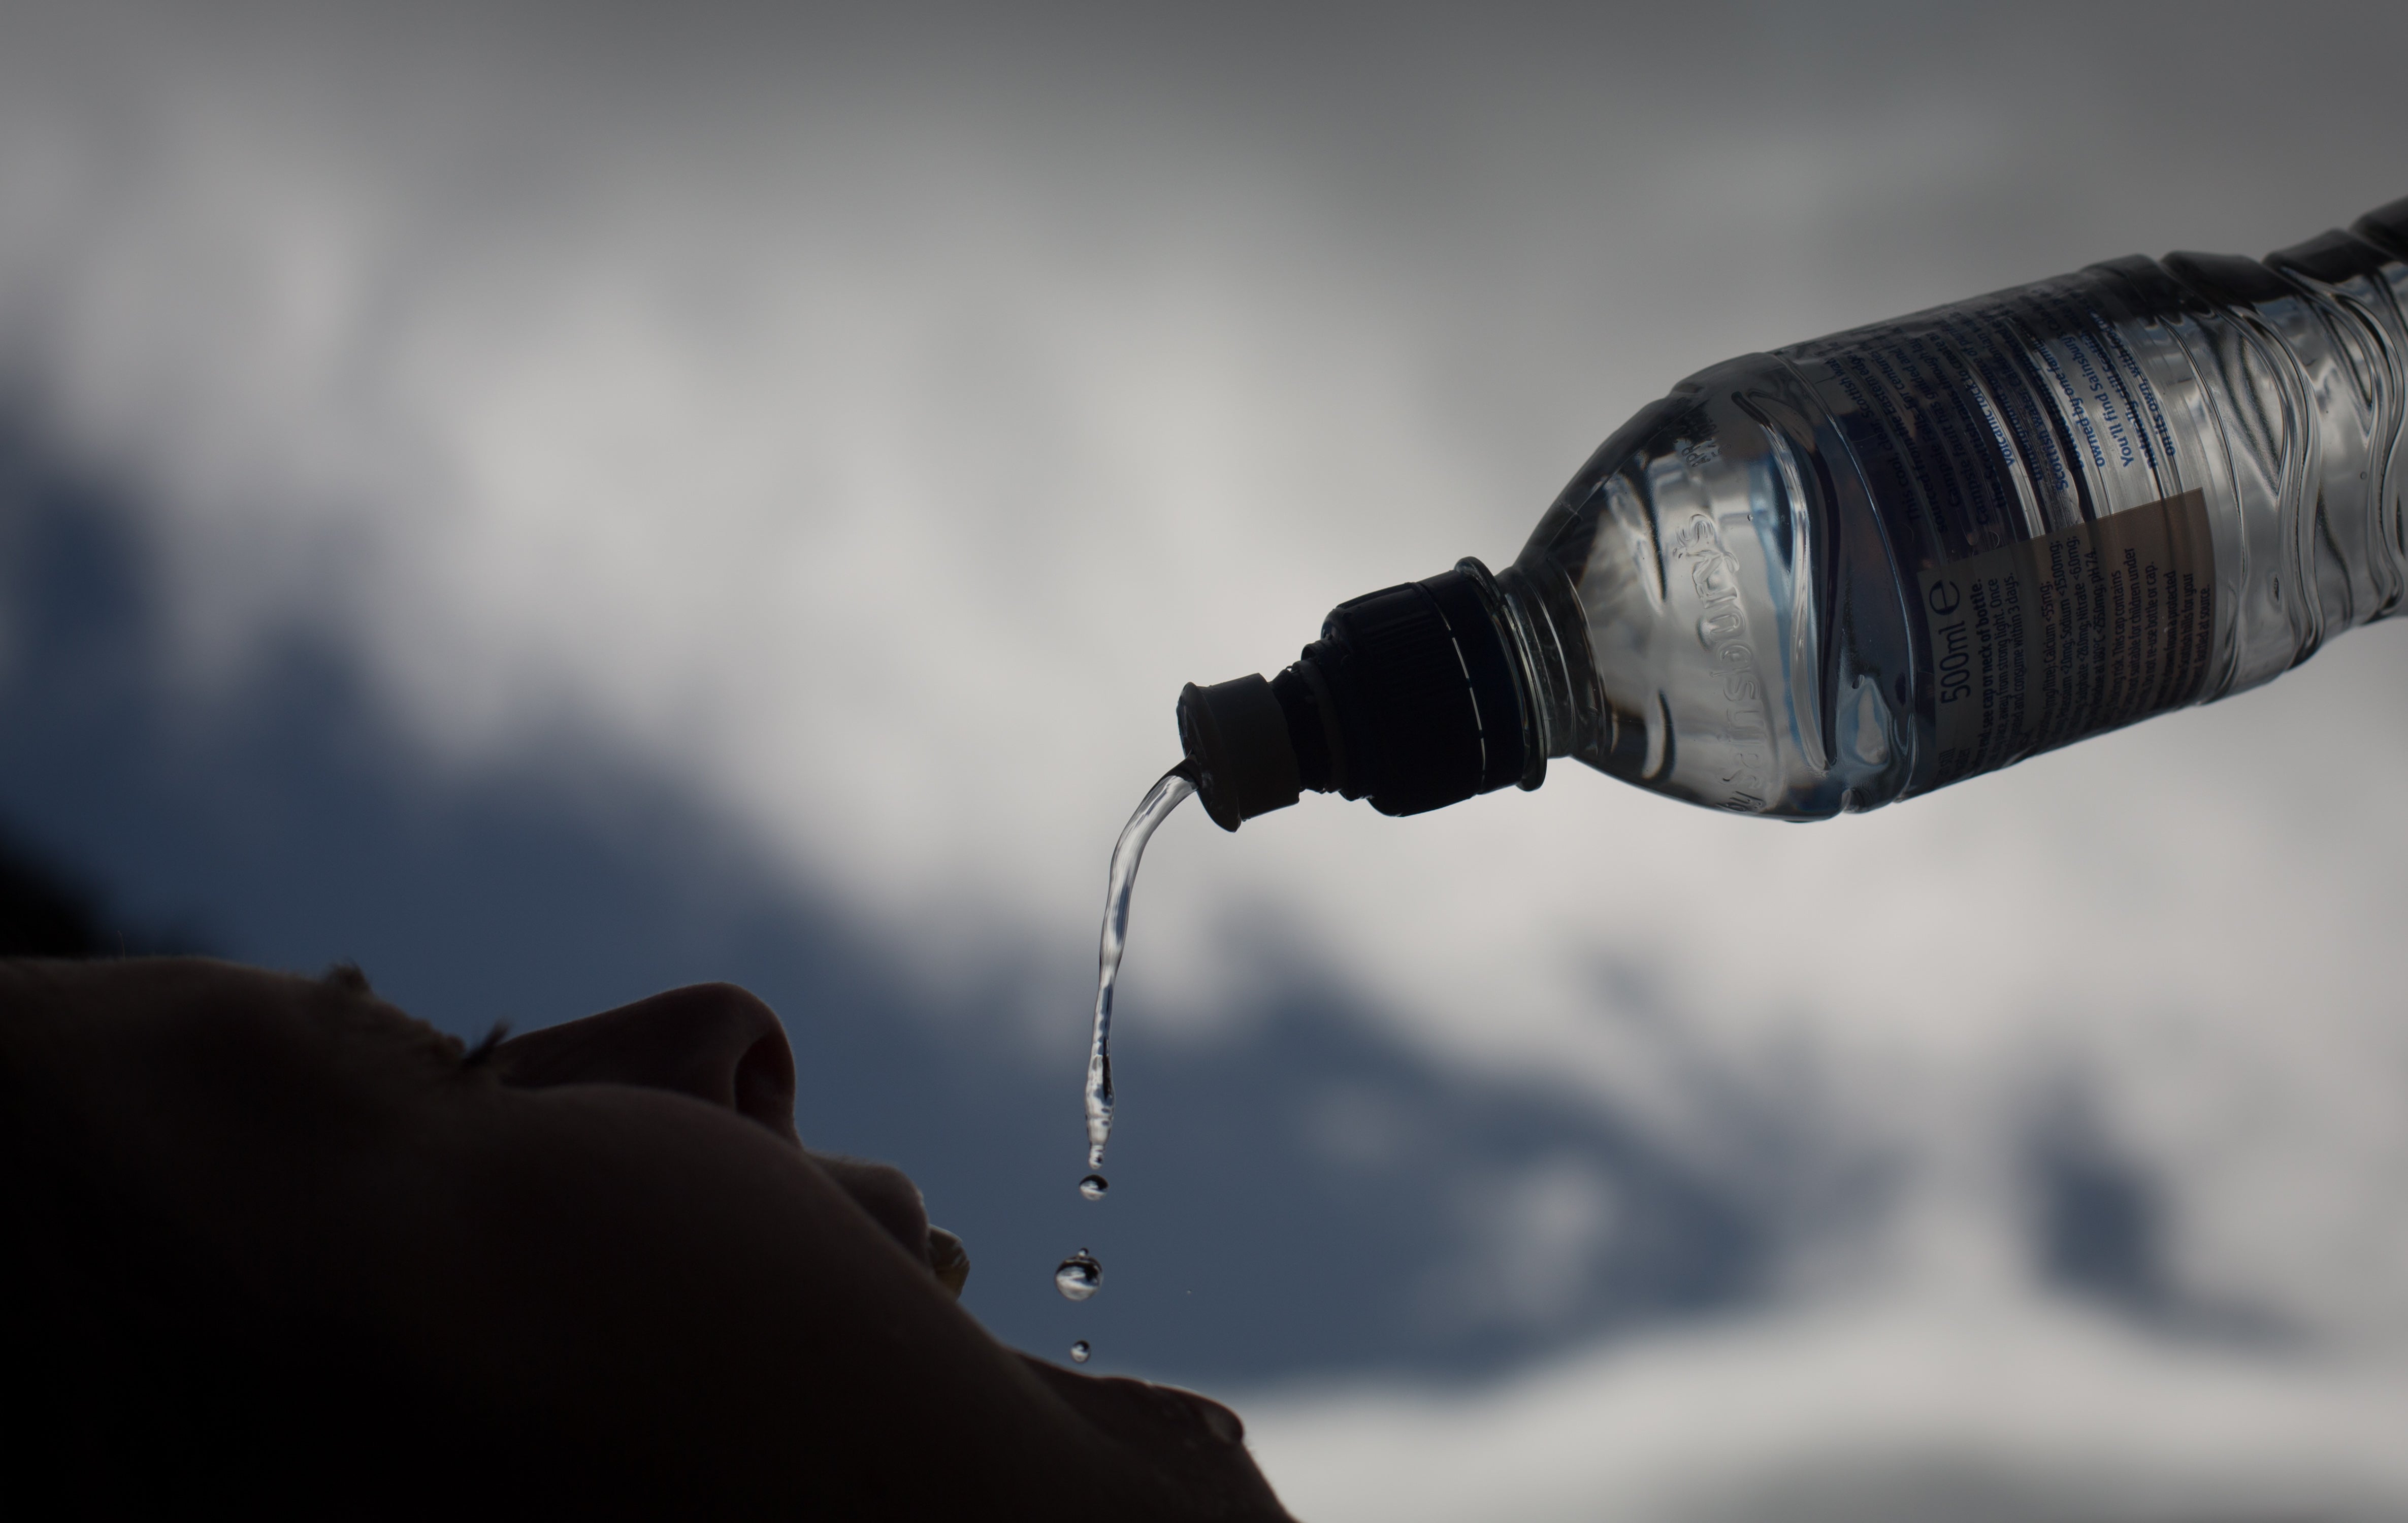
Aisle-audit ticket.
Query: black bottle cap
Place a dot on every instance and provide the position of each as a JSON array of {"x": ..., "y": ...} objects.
[
  {"x": 1409, "y": 699},
  {"x": 1236, "y": 736}
]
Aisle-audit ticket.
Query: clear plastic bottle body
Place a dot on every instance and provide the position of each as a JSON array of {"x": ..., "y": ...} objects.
[{"x": 1854, "y": 570}]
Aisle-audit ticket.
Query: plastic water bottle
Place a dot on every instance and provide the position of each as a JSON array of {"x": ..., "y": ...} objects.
[{"x": 1857, "y": 569}]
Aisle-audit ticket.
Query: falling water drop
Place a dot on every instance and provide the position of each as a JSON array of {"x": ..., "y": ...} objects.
[
  {"x": 1094, "y": 1185},
  {"x": 1079, "y": 1276},
  {"x": 1168, "y": 792},
  {"x": 1079, "y": 1352}
]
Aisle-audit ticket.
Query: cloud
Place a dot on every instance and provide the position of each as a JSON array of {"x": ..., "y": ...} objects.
[
  {"x": 1880, "y": 1409},
  {"x": 870, "y": 427}
]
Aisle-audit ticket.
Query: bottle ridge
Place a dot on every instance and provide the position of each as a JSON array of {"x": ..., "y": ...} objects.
[{"x": 1854, "y": 570}]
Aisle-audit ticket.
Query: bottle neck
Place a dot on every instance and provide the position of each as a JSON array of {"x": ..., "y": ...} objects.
[
  {"x": 1415, "y": 697},
  {"x": 1550, "y": 670}
]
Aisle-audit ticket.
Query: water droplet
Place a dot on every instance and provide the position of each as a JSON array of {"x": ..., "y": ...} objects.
[
  {"x": 1094, "y": 1185},
  {"x": 1079, "y": 1276},
  {"x": 1079, "y": 1352}
]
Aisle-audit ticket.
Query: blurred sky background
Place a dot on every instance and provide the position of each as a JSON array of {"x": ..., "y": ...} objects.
[{"x": 553, "y": 502}]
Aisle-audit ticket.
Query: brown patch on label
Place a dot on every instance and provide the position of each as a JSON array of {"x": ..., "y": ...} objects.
[{"x": 2046, "y": 641}]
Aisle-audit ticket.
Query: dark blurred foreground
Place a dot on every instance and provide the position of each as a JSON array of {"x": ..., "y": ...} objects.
[{"x": 42, "y": 915}]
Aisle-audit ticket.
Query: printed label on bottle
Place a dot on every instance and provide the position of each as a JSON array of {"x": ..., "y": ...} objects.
[{"x": 2047, "y": 640}]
